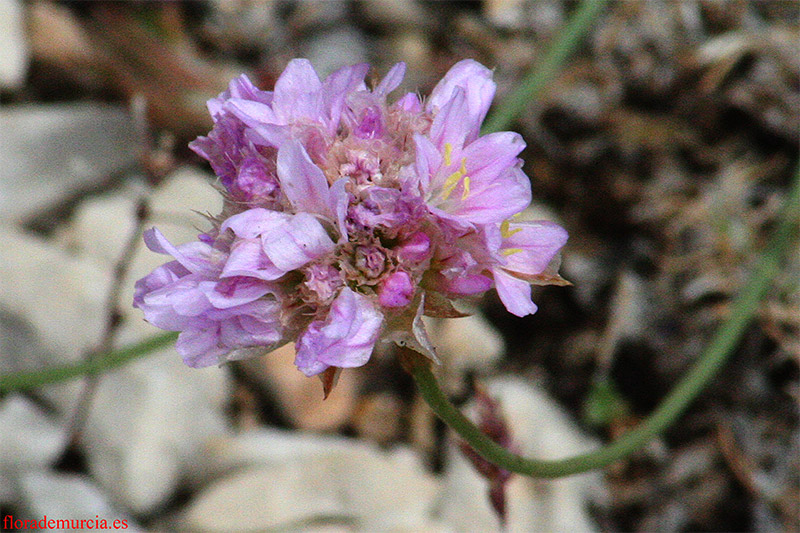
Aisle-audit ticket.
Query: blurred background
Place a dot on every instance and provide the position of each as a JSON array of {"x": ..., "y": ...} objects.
[{"x": 665, "y": 146}]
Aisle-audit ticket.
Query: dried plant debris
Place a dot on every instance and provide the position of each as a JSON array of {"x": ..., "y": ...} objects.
[{"x": 665, "y": 146}]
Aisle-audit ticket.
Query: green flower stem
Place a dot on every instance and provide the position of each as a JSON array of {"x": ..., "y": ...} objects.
[
  {"x": 566, "y": 42},
  {"x": 92, "y": 366},
  {"x": 722, "y": 346}
]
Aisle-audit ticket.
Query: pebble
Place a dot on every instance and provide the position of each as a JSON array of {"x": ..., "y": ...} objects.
[
  {"x": 29, "y": 441},
  {"x": 332, "y": 49},
  {"x": 151, "y": 418},
  {"x": 48, "y": 152},
  {"x": 465, "y": 344},
  {"x": 279, "y": 479},
  {"x": 70, "y": 497},
  {"x": 300, "y": 397},
  {"x": 14, "y": 44},
  {"x": 540, "y": 429},
  {"x": 59, "y": 295},
  {"x": 148, "y": 427}
]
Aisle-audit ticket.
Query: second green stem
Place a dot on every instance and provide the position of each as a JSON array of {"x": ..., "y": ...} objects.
[{"x": 723, "y": 344}]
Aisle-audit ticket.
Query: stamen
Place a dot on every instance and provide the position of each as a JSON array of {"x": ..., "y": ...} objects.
[
  {"x": 448, "y": 154},
  {"x": 465, "y": 193},
  {"x": 450, "y": 184},
  {"x": 505, "y": 230},
  {"x": 510, "y": 251},
  {"x": 453, "y": 179}
]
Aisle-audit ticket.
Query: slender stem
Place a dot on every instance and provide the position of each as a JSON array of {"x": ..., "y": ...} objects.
[
  {"x": 721, "y": 347},
  {"x": 566, "y": 42},
  {"x": 95, "y": 365}
]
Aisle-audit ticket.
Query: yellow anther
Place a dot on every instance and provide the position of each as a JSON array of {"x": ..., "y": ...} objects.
[
  {"x": 465, "y": 192},
  {"x": 505, "y": 229},
  {"x": 453, "y": 179},
  {"x": 448, "y": 154},
  {"x": 450, "y": 183},
  {"x": 510, "y": 251}
]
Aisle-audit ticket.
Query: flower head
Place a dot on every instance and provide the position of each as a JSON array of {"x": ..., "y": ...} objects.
[{"x": 347, "y": 217}]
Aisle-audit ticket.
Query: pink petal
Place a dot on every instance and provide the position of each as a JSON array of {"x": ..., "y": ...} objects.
[
  {"x": 235, "y": 291},
  {"x": 338, "y": 202},
  {"x": 465, "y": 285},
  {"x": 409, "y": 102},
  {"x": 247, "y": 330},
  {"x": 242, "y": 87},
  {"x": 252, "y": 223},
  {"x": 476, "y": 81},
  {"x": 175, "y": 307},
  {"x": 492, "y": 155},
  {"x": 451, "y": 124},
  {"x": 414, "y": 249},
  {"x": 397, "y": 290},
  {"x": 303, "y": 182},
  {"x": 428, "y": 160},
  {"x": 160, "y": 277},
  {"x": 345, "y": 339},
  {"x": 199, "y": 348},
  {"x": 253, "y": 114},
  {"x": 297, "y": 92},
  {"x": 493, "y": 202},
  {"x": 294, "y": 244},
  {"x": 392, "y": 80},
  {"x": 538, "y": 243},
  {"x": 247, "y": 258},
  {"x": 514, "y": 293},
  {"x": 337, "y": 87},
  {"x": 194, "y": 256}
]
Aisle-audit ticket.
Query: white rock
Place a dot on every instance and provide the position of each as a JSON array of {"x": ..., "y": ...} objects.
[
  {"x": 29, "y": 442},
  {"x": 509, "y": 14},
  {"x": 60, "y": 295},
  {"x": 300, "y": 397},
  {"x": 542, "y": 430},
  {"x": 101, "y": 227},
  {"x": 330, "y": 50},
  {"x": 260, "y": 446},
  {"x": 13, "y": 43},
  {"x": 148, "y": 426},
  {"x": 48, "y": 151},
  {"x": 183, "y": 194},
  {"x": 286, "y": 479},
  {"x": 66, "y": 496},
  {"x": 148, "y": 420},
  {"x": 468, "y": 343}
]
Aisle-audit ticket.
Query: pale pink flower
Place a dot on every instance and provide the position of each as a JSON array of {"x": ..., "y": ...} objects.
[{"x": 347, "y": 217}]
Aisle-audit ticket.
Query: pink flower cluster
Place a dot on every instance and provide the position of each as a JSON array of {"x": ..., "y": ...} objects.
[{"x": 347, "y": 218}]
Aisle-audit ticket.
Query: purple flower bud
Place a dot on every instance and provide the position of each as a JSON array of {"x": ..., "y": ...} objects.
[
  {"x": 415, "y": 249},
  {"x": 371, "y": 124},
  {"x": 396, "y": 290}
]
